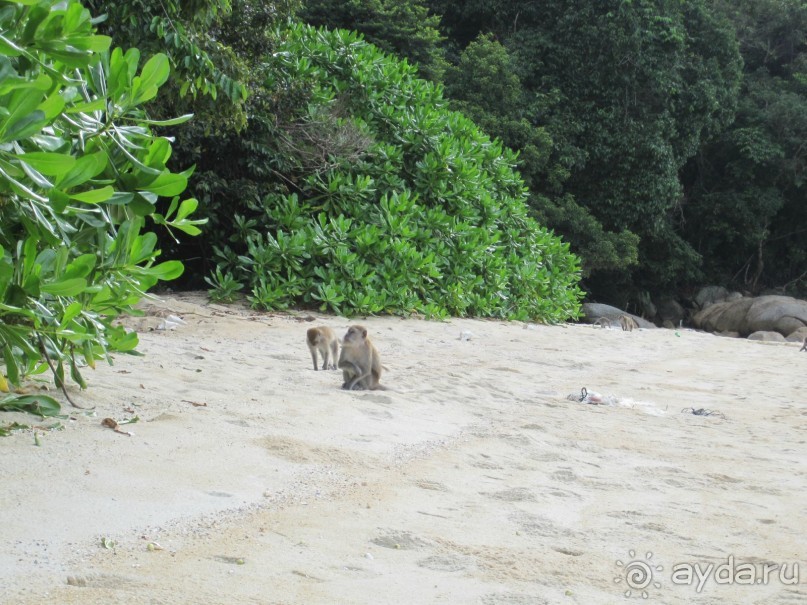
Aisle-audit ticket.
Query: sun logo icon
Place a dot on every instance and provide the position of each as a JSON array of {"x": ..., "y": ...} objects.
[{"x": 638, "y": 574}]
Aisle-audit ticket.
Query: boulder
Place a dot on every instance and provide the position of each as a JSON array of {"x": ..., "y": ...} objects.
[
  {"x": 797, "y": 336},
  {"x": 766, "y": 336},
  {"x": 781, "y": 314},
  {"x": 670, "y": 310},
  {"x": 723, "y": 316},
  {"x": 710, "y": 295},
  {"x": 591, "y": 312}
]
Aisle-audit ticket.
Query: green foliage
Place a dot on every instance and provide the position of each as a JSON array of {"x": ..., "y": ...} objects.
[
  {"x": 401, "y": 27},
  {"x": 225, "y": 288},
  {"x": 365, "y": 194},
  {"x": 626, "y": 92},
  {"x": 182, "y": 28},
  {"x": 80, "y": 172},
  {"x": 746, "y": 214},
  {"x": 484, "y": 85},
  {"x": 39, "y": 405}
]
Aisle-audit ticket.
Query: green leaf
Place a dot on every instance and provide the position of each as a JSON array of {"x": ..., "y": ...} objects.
[
  {"x": 154, "y": 74},
  {"x": 72, "y": 311},
  {"x": 88, "y": 107},
  {"x": 85, "y": 168},
  {"x": 166, "y": 271},
  {"x": 156, "y": 71},
  {"x": 80, "y": 266},
  {"x": 50, "y": 164},
  {"x": 94, "y": 43},
  {"x": 65, "y": 287},
  {"x": 120, "y": 340},
  {"x": 186, "y": 208},
  {"x": 41, "y": 405},
  {"x": 172, "y": 122},
  {"x": 52, "y": 106},
  {"x": 12, "y": 370},
  {"x": 94, "y": 196},
  {"x": 167, "y": 184},
  {"x": 58, "y": 200},
  {"x": 23, "y": 127}
]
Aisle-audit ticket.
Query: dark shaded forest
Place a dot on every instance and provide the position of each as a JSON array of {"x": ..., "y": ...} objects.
[{"x": 664, "y": 140}]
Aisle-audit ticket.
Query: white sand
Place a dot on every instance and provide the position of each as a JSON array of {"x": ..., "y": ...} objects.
[{"x": 474, "y": 480}]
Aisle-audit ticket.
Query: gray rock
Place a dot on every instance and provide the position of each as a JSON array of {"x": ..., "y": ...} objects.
[
  {"x": 710, "y": 295},
  {"x": 781, "y": 314},
  {"x": 591, "y": 312},
  {"x": 766, "y": 336},
  {"x": 723, "y": 316},
  {"x": 798, "y": 335},
  {"x": 670, "y": 310}
]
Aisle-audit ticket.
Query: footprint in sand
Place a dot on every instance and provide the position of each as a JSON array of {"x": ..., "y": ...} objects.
[
  {"x": 534, "y": 525},
  {"x": 377, "y": 399},
  {"x": 102, "y": 580},
  {"x": 401, "y": 540},
  {"x": 485, "y": 463},
  {"x": 512, "y": 599},
  {"x": 431, "y": 485},
  {"x": 568, "y": 552},
  {"x": 444, "y": 563},
  {"x": 383, "y": 414},
  {"x": 566, "y": 476},
  {"x": 515, "y": 494}
]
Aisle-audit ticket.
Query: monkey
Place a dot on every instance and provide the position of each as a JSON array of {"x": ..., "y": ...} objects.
[
  {"x": 359, "y": 361},
  {"x": 804, "y": 346},
  {"x": 324, "y": 340},
  {"x": 628, "y": 323},
  {"x": 603, "y": 322}
]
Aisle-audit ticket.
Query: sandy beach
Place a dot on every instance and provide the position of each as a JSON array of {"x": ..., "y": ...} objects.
[{"x": 250, "y": 478}]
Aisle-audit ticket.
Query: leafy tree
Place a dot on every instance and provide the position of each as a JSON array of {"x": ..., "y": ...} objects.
[
  {"x": 746, "y": 213},
  {"x": 401, "y": 27},
  {"x": 626, "y": 91},
  {"x": 80, "y": 174},
  {"x": 202, "y": 65},
  {"x": 364, "y": 194},
  {"x": 485, "y": 86},
  {"x": 216, "y": 48}
]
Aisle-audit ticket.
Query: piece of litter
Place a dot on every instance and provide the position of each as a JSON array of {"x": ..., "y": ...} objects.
[
  {"x": 592, "y": 398},
  {"x": 704, "y": 412},
  {"x": 171, "y": 322},
  {"x": 115, "y": 426}
]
